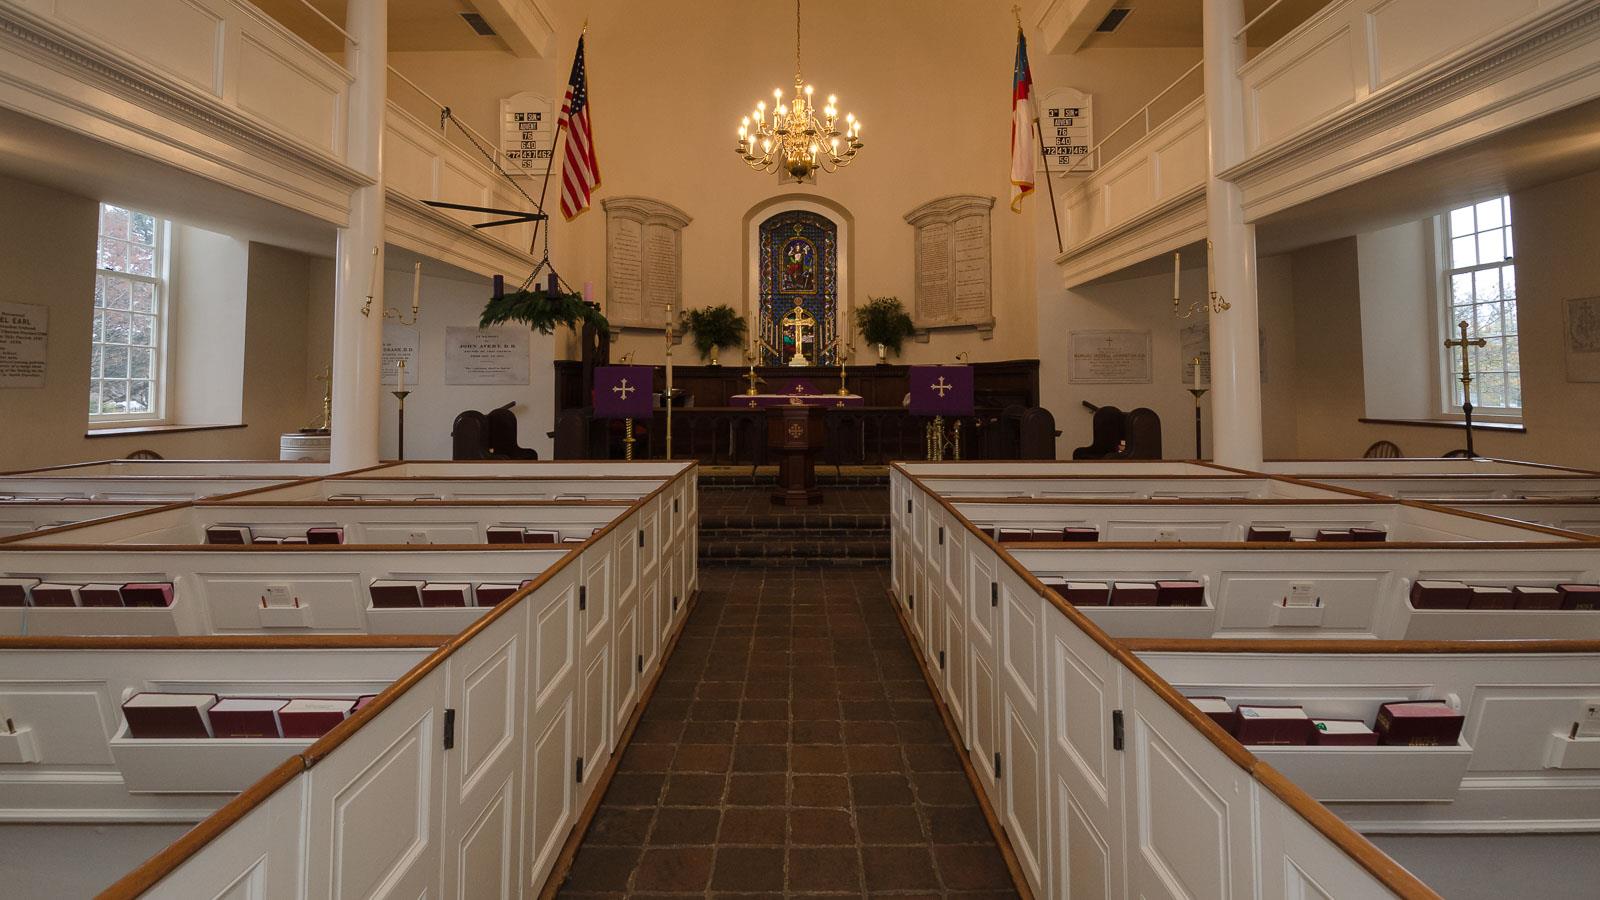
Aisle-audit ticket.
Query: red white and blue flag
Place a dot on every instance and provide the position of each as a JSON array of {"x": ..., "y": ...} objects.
[
  {"x": 580, "y": 168},
  {"x": 1022, "y": 152}
]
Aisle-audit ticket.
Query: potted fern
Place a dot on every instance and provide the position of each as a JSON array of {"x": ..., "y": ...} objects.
[
  {"x": 883, "y": 321},
  {"x": 715, "y": 327},
  {"x": 538, "y": 309}
]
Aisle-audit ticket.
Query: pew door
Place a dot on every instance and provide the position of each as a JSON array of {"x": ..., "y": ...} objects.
[
  {"x": 597, "y": 654},
  {"x": 896, "y": 526},
  {"x": 983, "y": 591},
  {"x": 483, "y": 777},
  {"x": 553, "y": 715},
  {"x": 952, "y": 628},
  {"x": 1022, "y": 723},
  {"x": 1086, "y": 856}
]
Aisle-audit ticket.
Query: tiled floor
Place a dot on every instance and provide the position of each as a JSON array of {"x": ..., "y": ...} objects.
[
  {"x": 791, "y": 749},
  {"x": 754, "y": 501}
]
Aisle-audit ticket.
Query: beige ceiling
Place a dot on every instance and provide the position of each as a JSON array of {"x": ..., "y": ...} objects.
[
  {"x": 1176, "y": 23},
  {"x": 414, "y": 25}
]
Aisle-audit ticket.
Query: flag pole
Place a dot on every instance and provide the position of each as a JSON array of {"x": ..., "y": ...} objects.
[{"x": 1038, "y": 130}]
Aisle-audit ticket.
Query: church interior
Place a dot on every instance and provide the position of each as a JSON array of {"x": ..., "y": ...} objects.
[{"x": 471, "y": 501}]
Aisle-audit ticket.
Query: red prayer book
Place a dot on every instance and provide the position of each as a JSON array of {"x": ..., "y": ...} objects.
[
  {"x": 1133, "y": 593},
  {"x": 1536, "y": 597},
  {"x": 1219, "y": 711},
  {"x": 1419, "y": 723},
  {"x": 1492, "y": 597},
  {"x": 247, "y": 717},
  {"x": 540, "y": 536},
  {"x": 1268, "y": 533},
  {"x": 1077, "y": 534},
  {"x": 503, "y": 534},
  {"x": 1180, "y": 593},
  {"x": 147, "y": 593},
  {"x": 325, "y": 535},
  {"x": 1278, "y": 725},
  {"x": 101, "y": 595},
  {"x": 1579, "y": 596},
  {"x": 435, "y": 593},
  {"x": 388, "y": 593},
  {"x": 1086, "y": 593},
  {"x": 1013, "y": 535},
  {"x": 16, "y": 591},
  {"x": 308, "y": 717},
  {"x": 152, "y": 714},
  {"x": 1342, "y": 733},
  {"x": 1334, "y": 534},
  {"x": 1367, "y": 534},
  {"x": 52, "y": 594},
  {"x": 491, "y": 594},
  {"x": 228, "y": 534},
  {"x": 1427, "y": 594}
]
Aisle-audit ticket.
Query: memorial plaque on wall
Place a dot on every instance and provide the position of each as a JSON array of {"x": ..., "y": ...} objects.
[
  {"x": 1109, "y": 357},
  {"x": 953, "y": 264},
  {"x": 1066, "y": 119},
  {"x": 1195, "y": 340},
  {"x": 24, "y": 337},
  {"x": 644, "y": 261},
  {"x": 486, "y": 355},
  {"x": 401, "y": 343},
  {"x": 527, "y": 132},
  {"x": 1581, "y": 316}
]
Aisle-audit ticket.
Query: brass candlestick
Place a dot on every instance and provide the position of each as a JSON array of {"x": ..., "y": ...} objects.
[
  {"x": 751, "y": 376},
  {"x": 400, "y": 425},
  {"x": 843, "y": 353},
  {"x": 627, "y": 439}
]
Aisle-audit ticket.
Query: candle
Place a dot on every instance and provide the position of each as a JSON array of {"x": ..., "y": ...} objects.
[
  {"x": 416, "y": 287},
  {"x": 400, "y": 375},
  {"x": 372, "y": 289},
  {"x": 1177, "y": 265},
  {"x": 1197, "y": 373},
  {"x": 588, "y": 292}
]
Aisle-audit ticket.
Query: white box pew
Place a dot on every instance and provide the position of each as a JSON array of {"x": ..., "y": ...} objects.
[
  {"x": 1443, "y": 488},
  {"x": 22, "y": 517},
  {"x": 1121, "y": 468},
  {"x": 1107, "y": 783},
  {"x": 530, "y": 469},
  {"x": 1516, "y": 768},
  {"x": 1315, "y": 469},
  {"x": 262, "y": 588},
  {"x": 1127, "y": 487},
  {"x": 445, "y": 522},
  {"x": 539, "y": 694},
  {"x": 1571, "y": 514},
  {"x": 1326, "y": 590},
  {"x": 139, "y": 488},
  {"x": 65, "y": 752},
  {"x": 596, "y": 486},
  {"x": 255, "y": 468},
  {"x": 1231, "y": 520}
]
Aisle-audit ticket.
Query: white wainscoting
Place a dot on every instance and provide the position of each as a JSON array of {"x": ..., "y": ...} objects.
[
  {"x": 212, "y": 87},
  {"x": 1366, "y": 86},
  {"x": 1149, "y": 199},
  {"x": 392, "y": 812},
  {"x": 1168, "y": 814}
]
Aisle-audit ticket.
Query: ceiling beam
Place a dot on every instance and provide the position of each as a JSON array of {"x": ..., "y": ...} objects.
[
  {"x": 525, "y": 25},
  {"x": 1066, "y": 24}
]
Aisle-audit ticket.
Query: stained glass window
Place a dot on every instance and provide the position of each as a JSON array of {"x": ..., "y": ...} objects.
[{"x": 799, "y": 268}]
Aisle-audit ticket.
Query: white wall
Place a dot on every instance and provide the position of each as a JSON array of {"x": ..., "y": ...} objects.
[
  {"x": 1399, "y": 298},
  {"x": 206, "y": 330},
  {"x": 433, "y": 405}
]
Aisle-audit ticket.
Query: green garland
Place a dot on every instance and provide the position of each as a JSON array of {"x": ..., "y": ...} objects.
[{"x": 536, "y": 309}]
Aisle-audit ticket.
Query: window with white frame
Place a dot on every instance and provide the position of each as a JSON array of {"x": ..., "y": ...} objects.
[
  {"x": 127, "y": 361},
  {"x": 1481, "y": 289}
]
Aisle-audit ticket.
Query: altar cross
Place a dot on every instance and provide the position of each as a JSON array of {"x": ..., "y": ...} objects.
[
  {"x": 942, "y": 387},
  {"x": 1466, "y": 376},
  {"x": 798, "y": 320},
  {"x": 623, "y": 389}
]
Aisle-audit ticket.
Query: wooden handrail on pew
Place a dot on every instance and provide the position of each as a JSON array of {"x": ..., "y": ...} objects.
[
  {"x": 159, "y": 866},
  {"x": 1361, "y": 647},
  {"x": 1390, "y": 873},
  {"x": 227, "y": 642}
]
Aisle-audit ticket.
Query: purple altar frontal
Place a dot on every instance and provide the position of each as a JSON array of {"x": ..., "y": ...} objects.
[{"x": 762, "y": 401}]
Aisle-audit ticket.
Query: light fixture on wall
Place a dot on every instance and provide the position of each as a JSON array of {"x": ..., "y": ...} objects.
[{"x": 791, "y": 139}]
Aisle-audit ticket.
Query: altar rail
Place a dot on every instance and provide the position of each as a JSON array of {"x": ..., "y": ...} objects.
[
  {"x": 1107, "y": 781},
  {"x": 466, "y": 776}
]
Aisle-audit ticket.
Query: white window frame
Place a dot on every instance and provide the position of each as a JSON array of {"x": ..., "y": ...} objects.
[
  {"x": 1445, "y": 320},
  {"x": 161, "y": 284}
]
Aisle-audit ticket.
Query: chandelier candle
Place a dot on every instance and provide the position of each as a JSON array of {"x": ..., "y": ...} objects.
[{"x": 793, "y": 138}]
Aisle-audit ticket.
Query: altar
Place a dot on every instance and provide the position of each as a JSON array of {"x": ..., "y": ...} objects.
[{"x": 797, "y": 392}]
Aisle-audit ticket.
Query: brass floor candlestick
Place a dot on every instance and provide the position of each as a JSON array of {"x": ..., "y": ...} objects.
[
  {"x": 1198, "y": 393},
  {"x": 627, "y": 439},
  {"x": 400, "y": 425},
  {"x": 936, "y": 439}
]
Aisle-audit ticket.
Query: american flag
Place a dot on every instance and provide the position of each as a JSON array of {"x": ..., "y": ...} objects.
[{"x": 580, "y": 169}]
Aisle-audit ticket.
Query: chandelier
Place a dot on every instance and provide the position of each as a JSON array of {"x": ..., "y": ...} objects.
[{"x": 793, "y": 139}]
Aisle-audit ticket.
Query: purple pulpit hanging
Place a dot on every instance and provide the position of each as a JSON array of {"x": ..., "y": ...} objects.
[
  {"x": 623, "y": 392},
  {"x": 941, "y": 390}
]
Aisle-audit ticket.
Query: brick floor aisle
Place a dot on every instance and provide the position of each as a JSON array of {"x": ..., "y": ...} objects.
[{"x": 791, "y": 749}]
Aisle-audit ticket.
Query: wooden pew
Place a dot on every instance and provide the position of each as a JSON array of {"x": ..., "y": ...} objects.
[
  {"x": 136, "y": 488},
  {"x": 540, "y": 692},
  {"x": 1516, "y": 767},
  {"x": 1129, "y": 486},
  {"x": 255, "y": 468}
]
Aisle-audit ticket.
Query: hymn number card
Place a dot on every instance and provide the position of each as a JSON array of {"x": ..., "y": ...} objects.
[
  {"x": 527, "y": 132},
  {"x": 1067, "y": 122}
]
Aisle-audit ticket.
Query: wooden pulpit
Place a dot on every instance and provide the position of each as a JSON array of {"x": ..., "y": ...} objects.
[{"x": 794, "y": 435}]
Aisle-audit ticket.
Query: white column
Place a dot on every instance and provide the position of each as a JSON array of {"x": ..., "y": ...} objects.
[
  {"x": 1235, "y": 333},
  {"x": 358, "y": 339}
]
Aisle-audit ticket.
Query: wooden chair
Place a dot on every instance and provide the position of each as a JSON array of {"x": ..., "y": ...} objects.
[{"x": 1383, "y": 450}]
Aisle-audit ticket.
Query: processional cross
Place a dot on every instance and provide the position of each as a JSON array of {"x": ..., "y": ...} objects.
[{"x": 1466, "y": 376}]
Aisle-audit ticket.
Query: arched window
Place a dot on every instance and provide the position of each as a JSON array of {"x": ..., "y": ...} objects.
[{"x": 799, "y": 269}]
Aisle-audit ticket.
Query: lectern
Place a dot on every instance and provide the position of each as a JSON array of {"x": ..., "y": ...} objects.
[{"x": 794, "y": 435}]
